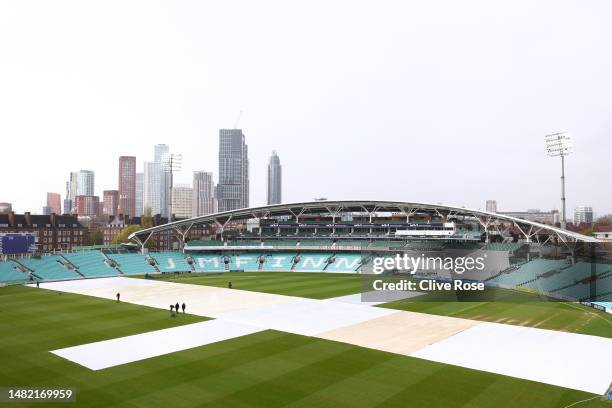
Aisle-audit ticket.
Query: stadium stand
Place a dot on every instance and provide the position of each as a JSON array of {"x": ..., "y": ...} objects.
[
  {"x": 170, "y": 262},
  {"x": 132, "y": 264},
  {"x": 520, "y": 274},
  {"x": 502, "y": 246},
  {"x": 49, "y": 268},
  {"x": 278, "y": 262},
  {"x": 208, "y": 263},
  {"x": 9, "y": 273},
  {"x": 345, "y": 263},
  {"x": 90, "y": 264},
  {"x": 311, "y": 262},
  {"x": 205, "y": 243},
  {"x": 245, "y": 262}
]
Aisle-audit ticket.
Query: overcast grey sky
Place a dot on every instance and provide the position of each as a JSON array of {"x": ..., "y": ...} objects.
[{"x": 434, "y": 101}]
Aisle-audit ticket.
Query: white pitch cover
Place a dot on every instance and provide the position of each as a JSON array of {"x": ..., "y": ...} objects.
[
  {"x": 564, "y": 359},
  {"x": 110, "y": 353}
]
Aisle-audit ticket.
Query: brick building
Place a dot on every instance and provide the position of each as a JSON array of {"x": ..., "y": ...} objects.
[{"x": 52, "y": 232}]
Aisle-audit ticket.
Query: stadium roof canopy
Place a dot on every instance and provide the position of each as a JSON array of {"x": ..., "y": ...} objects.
[{"x": 487, "y": 220}]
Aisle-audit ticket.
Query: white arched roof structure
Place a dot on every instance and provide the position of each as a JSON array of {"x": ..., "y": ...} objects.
[{"x": 528, "y": 228}]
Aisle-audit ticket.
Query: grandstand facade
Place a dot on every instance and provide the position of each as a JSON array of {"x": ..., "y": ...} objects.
[{"x": 348, "y": 237}]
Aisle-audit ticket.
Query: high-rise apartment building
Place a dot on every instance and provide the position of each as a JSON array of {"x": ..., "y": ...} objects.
[
  {"x": 204, "y": 201},
  {"x": 182, "y": 196},
  {"x": 127, "y": 185},
  {"x": 111, "y": 202},
  {"x": 233, "y": 187},
  {"x": 85, "y": 183},
  {"x": 152, "y": 187},
  {"x": 161, "y": 153},
  {"x": 275, "y": 180},
  {"x": 54, "y": 203},
  {"x": 583, "y": 215},
  {"x": 139, "y": 194},
  {"x": 492, "y": 206},
  {"x": 87, "y": 205}
]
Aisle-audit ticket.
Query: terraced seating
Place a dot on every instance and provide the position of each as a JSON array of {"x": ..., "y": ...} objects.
[
  {"x": 503, "y": 246},
  {"x": 90, "y": 263},
  {"x": 581, "y": 271},
  {"x": 49, "y": 268},
  {"x": 282, "y": 242},
  {"x": 528, "y": 271},
  {"x": 245, "y": 262},
  {"x": 568, "y": 276},
  {"x": 171, "y": 262},
  {"x": 132, "y": 264},
  {"x": 311, "y": 263},
  {"x": 425, "y": 245},
  {"x": 386, "y": 244},
  {"x": 207, "y": 242},
  {"x": 315, "y": 242},
  {"x": 8, "y": 273},
  {"x": 208, "y": 262},
  {"x": 345, "y": 263},
  {"x": 352, "y": 242},
  {"x": 278, "y": 262}
]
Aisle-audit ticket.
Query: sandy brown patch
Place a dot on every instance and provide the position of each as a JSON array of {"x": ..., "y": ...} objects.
[{"x": 401, "y": 332}]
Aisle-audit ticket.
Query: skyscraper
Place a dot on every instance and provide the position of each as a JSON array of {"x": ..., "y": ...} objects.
[
  {"x": 275, "y": 173},
  {"x": 139, "y": 194},
  {"x": 233, "y": 187},
  {"x": 151, "y": 187},
  {"x": 182, "y": 201},
  {"x": 87, "y": 205},
  {"x": 54, "y": 203},
  {"x": 127, "y": 186},
  {"x": 583, "y": 215},
  {"x": 81, "y": 183},
  {"x": 85, "y": 183},
  {"x": 160, "y": 155},
  {"x": 491, "y": 206},
  {"x": 111, "y": 202},
  {"x": 204, "y": 201},
  {"x": 71, "y": 192}
]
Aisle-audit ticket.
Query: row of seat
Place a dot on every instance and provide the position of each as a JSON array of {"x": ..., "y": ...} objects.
[
  {"x": 91, "y": 263},
  {"x": 528, "y": 271},
  {"x": 9, "y": 273}
]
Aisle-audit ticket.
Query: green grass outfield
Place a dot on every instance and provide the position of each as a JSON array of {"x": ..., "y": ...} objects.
[
  {"x": 510, "y": 307},
  {"x": 267, "y": 369},
  {"x": 302, "y": 284}
]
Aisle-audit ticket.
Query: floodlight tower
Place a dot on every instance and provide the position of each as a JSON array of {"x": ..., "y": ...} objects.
[
  {"x": 560, "y": 145},
  {"x": 170, "y": 163}
]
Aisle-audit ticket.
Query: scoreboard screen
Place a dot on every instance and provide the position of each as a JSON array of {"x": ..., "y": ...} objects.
[{"x": 17, "y": 244}]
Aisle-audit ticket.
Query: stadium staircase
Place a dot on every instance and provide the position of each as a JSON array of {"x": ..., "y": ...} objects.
[
  {"x": 24, "y": 269},
  {"x": 69, "y": 265},
  {"x": 153, "y": 263}
]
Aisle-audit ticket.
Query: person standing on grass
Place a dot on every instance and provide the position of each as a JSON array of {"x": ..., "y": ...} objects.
[
  {"x": 176, "y": 307},
  {"x": 38, "y": 284},
  {"x": 118, "y": 296},
  {"x": 229, "y": 284},
  {"x": 183, "y": 306}
]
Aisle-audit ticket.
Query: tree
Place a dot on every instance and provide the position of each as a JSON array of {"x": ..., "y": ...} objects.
[
  {"x": 122, "y": 237},
  {"x": 96, "y": 237},
  {"x": 588, "y": 230},
  {"x": 604, "y": 219},
  {"x": 146, "y": 220}
]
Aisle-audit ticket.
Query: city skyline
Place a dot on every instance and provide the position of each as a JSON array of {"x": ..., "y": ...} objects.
[
  {"x": 83, "y": 181},
  {"x": 399, "y": 96}
]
